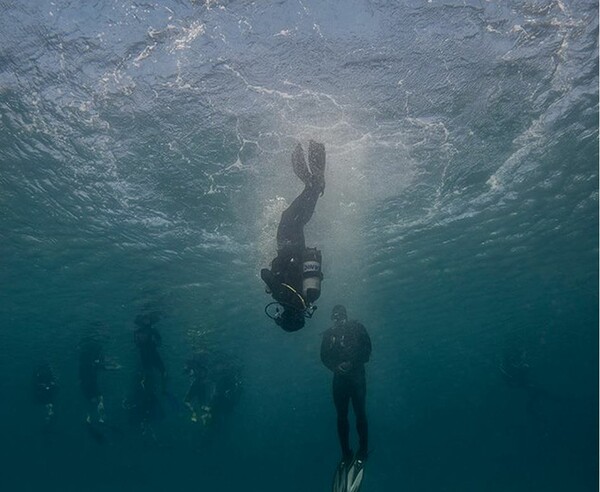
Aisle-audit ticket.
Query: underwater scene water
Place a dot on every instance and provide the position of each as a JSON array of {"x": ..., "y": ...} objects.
[{"x": 144, "y": 165}]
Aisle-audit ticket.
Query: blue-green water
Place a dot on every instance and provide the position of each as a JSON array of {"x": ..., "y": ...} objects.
[{"x": 144, "y": 160}]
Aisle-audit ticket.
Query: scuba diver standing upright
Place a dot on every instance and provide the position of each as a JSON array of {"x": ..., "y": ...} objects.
[
  {"x": 45, "y": 389},
  {"x": 91, "y": 362},
  {"x": 345, "y": 349},
  {"x": 148, "y": 339},
  {"x": 215, "y": 387},
  {"x": 294, "y": 279}
]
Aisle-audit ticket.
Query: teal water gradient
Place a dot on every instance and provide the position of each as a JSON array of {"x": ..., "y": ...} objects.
[{"x": 145, "y": 159}]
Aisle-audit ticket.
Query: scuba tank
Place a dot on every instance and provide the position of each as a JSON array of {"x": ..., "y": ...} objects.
[{"x": 311, "y": 274}]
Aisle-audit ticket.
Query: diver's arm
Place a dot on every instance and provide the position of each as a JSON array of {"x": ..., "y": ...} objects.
[
  {"x": 331, "y": 361},
  {"x": 327, "y": 353},
  {"x": 345, "y": 367},
  {"x": 364, "y": 344}
]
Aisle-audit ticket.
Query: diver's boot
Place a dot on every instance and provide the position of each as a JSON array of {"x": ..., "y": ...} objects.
[
  {"x": 362, "y": 455},
  {"x": 299, "y": 165},
  {"x": 316, "y": 162}
]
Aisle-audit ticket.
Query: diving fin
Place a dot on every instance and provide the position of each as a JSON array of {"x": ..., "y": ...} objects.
[
  {"x": 316, "y": 162},
  {"x": 355, "y": 476},
  {"x": 299, "y": 165},
  {"x": 340, "y": 477}
]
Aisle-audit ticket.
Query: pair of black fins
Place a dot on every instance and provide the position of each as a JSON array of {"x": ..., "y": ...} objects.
[
  {"x": 313, "y": 173},
  {"x": 348, "y": 476}
]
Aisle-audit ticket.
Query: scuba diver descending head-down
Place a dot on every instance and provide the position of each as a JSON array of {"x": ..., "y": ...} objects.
[{"x": 294, "y": 279}]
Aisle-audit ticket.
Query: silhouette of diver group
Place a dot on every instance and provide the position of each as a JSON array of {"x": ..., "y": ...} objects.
[{"x": 215, "y": 383}]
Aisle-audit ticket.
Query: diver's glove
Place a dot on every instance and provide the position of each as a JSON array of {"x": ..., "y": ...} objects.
[{"x": 344, "y": 368}]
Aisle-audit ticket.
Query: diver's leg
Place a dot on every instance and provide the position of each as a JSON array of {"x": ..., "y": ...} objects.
[
  {"x": 89, "y": 395},
  {"x": 341, "y": 399},
  {"x": 159, "y": 365},
  {"x": 359, "y": 394},
  {"x": 193, "y": 414},
  {"x": 316, "y": 161},
  {"x": 90, "y": 405},
  {"x": 94, "y": 397},
  {"x": 100, "y": 410},
  {"x": 189, "y": 399},
  {"x": 299, "y": 165},
  {"x": 314, "y": 173},
  {"x": 147, "y": 364},
  {"x": 290, "y": 232}
]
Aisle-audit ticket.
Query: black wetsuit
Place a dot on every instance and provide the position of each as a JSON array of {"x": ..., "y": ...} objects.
[
  {"x": 143, "y": 405},
  {"x": 286, "y": 268},
  {"x": 199, "y": 388},
  {"x": 348, "y": 343},
  {"x": 91, "y": 361},
  {"x": 147, "y": 340}
]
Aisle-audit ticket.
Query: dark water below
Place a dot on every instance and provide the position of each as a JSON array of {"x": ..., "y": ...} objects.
[{"x": 144, "y": 162}]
